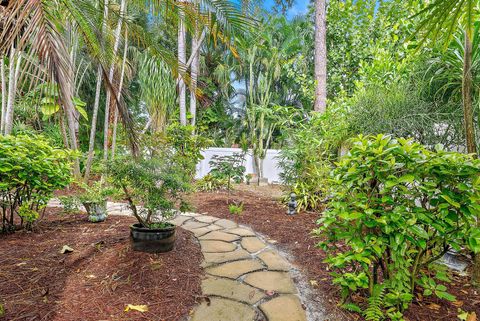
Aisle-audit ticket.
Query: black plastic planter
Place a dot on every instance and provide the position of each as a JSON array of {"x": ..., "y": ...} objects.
[{"x": 152, "y": 240}]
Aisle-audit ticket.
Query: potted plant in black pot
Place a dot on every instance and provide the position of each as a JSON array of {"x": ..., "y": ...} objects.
[
  {"x": 152, "y": 187},
  {"x": 94, "y": 199}
]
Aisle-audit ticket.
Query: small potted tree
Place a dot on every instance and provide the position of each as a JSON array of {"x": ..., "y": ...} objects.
[
  {"x": 94, "y": 199},
  {"x": 152, "y": 187}
]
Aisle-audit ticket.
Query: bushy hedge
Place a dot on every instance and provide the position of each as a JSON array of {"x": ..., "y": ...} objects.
[
  {"x": 30, "y": 170},
  {"x": 396, "y": 208}
]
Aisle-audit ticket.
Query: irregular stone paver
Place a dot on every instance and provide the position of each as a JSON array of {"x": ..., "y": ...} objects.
[
  {"x": 179, "y": 220},
  {"x": 271, "y": 281},
  {"x": 191, "y": 214},
  {"x": 220, "y": 236},
  {"x": 223, "y": 310},
  {"x": 240, "y": 231},
  {"x": 234, "y": 270},
  {"x": 206, "y": 219},
  {"x": 200, "y": 231},
  {"x": 274, "y": 261},
  {"x": 238, "y": 276},
  {"x": 232, "y": 290},
  {"x": 284, "y": 308},
  {"x": 252, "y": 244},
  {"x": 215, "y": 258},
  {"x": 213, "y": 227},
  {"x": 226, "y": 223},
  {"x": 209, "y": 246},
  {"x": 190, "y": 225}
]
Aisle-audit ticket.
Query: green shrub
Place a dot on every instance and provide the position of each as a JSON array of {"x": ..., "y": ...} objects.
[
  {"x": 97, "y": 192},
  {"x": 307, "y": 159},
  {"x": 30, "y": 170},
  {"x": 396, "y": 208},
  {"x": 228, "y": 168},
  {"x": 235, "y": 209},
  {"x": 70, "y": 204},
  {"x": 156, "y": 184},
  {"x": 210, "y": 183}
]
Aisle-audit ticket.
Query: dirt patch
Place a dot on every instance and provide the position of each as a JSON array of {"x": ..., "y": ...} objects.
[
  {"x": 293, "y": 234},
  {"x": 101, "y": 276}
]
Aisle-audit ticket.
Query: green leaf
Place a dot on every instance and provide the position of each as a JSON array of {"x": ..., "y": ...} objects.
[
  {"x": 49, "y": 109},
  {"x": 409, "y": 178},
  {"x": 82, "y": 112},
  {"x": 445, "y": 295},
  {"x": 417, "y": 230},
  {"x": 450, "y": 201}
]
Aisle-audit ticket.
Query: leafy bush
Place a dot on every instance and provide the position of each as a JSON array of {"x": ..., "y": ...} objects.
[
  {"x": 30, "y": 170},
  {"x": 98, "y": 192},
  {"x": 308, "y": 158},
  {"x": 210, "y": 183},
  {"x": 154, "y": 183},
  {"x": 403, "y": 109},
  {"x": 228, "y": 168},
  {"x": 235, "y": 209},
  {"x": 396, "y": 208},
  {"x": 70, "y": 204}
]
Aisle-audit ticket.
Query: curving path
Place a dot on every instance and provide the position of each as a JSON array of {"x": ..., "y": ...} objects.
[{"x": 246, "y": 278}]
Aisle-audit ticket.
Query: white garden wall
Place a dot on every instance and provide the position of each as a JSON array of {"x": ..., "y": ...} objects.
[{"x": 270, "y": 164}]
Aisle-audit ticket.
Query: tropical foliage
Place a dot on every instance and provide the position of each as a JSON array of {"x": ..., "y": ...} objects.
[
  {"x": 397, "y": 207},
  {"x": 30, "y": 171}
]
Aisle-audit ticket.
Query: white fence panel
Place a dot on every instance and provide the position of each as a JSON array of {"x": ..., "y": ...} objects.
[{"x": 271, "y": 169}]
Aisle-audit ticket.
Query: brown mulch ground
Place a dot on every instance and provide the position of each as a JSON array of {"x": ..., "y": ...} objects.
[
  {"x": 98, "y": 279},
  {"x": 267, "y": 216}
]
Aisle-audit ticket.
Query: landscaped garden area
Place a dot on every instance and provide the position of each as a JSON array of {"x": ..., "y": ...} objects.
[{"x": 243, "y": 161}]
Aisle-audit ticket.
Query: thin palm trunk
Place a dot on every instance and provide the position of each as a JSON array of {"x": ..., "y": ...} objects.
[
  {"x": 12, "y": 88},
  {"x": 63, "y": 130},
  {"x": 194, "y": 78},
  {"x": 195, "y": 50},
  {"x": 320, "y": 56},
  {"x": 93, "y": 128},
  {"x": 467, "y": 96},
  {"x": 182, "y": 58},
  {"x": 4, "y": 94},
  {"x": 96, "y": 105},
  {"x": 469, "y": 129},
  {"x": 120, "y": 87},
  {"x": 110, "y": 79}
]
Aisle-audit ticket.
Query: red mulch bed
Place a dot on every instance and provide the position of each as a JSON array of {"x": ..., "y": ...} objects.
[
  {"x": 98, "y": 279},
  {"x": 268, "y": 216}
]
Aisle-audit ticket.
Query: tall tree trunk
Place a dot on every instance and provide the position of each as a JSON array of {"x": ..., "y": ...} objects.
[
  {"x": 93, "y": 128},
  {"x": 4, "y": 94},
  {"x": 320, "y": 56},
  {"x": 467, "y": 96},
  {"x": 63, "y": 130},
  {"x": 194, "y": 76},
  {"x": 110, "y": 79},
  {"x": 469, "y": 129},
  {"x": 12, "y": 88},
  {"x": 120, "y": 88},
  {"x": 98, "y": 89},
  {"x": 182, "y": 58}
]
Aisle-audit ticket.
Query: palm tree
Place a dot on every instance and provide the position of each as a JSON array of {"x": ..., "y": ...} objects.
[
  {"x": 108, "y": 102},
  {"x": 442, "y": 19},
  {"x": 182, "y": 59},
  {"x": 320, "y": 56},
  {"x": 195, "y": 69},
  {"x": 96, "y": 105},
  {"x": 39, "y": 26}
]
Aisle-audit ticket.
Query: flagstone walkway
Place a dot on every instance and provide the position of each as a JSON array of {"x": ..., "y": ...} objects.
[{"x": 246, "y": 278}]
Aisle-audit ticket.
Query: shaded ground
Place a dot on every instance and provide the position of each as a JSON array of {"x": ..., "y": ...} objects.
[
  {"x": 99, "y": 278},
  {"x": 265, "y": 215}
]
